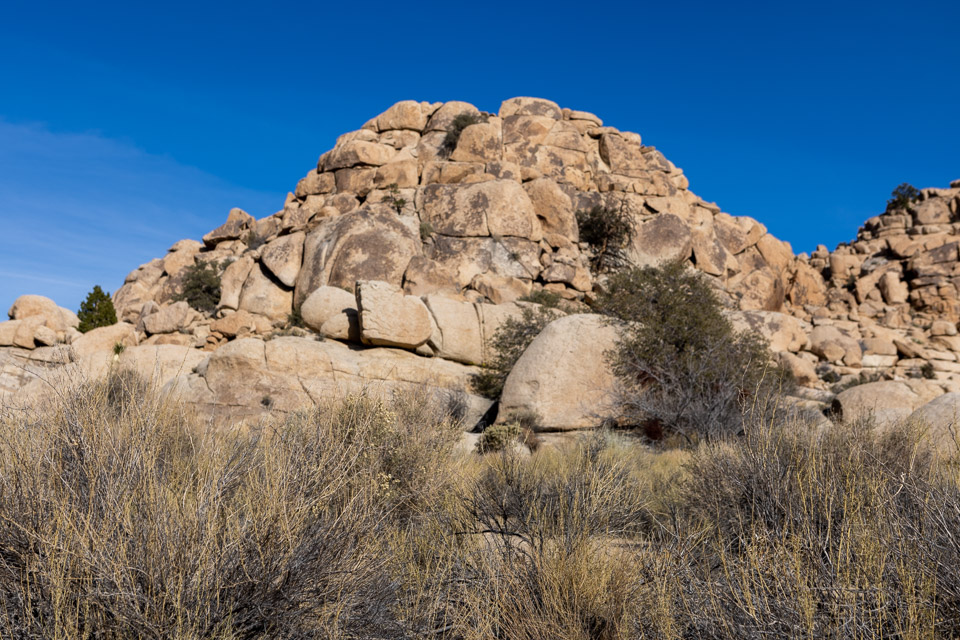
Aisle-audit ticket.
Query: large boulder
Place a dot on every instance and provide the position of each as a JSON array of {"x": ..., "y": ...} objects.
[
  {"x": 833, "y": 345},
  {"x": 563, "y": 377},
  {"x": 783, "y": 332},
  {"x": 360, "y": 245},
  {"x": 57, "y": 318},
  {"x": 249, "y": 378},
  {"x": 940, "y": 421},
  {"x": 390, "y": 318},
  {"x": 494, "y": 207},
  {"x": 104, "y": 339},
  {"x": 663, "y": 238},
  {"x": 238, "y": 224},
  {"x": 169, "y": 319},
  {"x": 886, "y": 402},
  {"x": 161, "y": 363}
]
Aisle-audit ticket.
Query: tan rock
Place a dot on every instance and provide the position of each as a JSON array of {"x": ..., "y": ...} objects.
[
  {"x": 807, "y": 287},
  {"x": 104, "y": 339},
  {"x": 943, "y": 328},
  {"x": 938, "y": 419},
  {"x": 240, "y": 323},
  {"x": 390, "y": 318},
  {"x": 500, "y": 289},
  {"x": 458, "y": 323},
  {"x": 495, "y": 207},
  {"x": 403, "y": 173},
  {"x": 801, "y": 369},
  {"x": 231, "y": 282},
  {"x": 524, "y": 106},
  {"x": 886, "y": 402},
  {"x": 777, "y": 253},
  {"x": 161, "y": 363},
  {"x": 894, "y": 290},
  {"x": 360, "y": 245},
  {"x": 358, "y": 152},
  {"x": 406, "y": 114},
  {"x": 553, "y": 207},
  {"x": 424, "y": 276},
  {"x": 481, "y": 142},
  {"x": 238, "y": 223},
  {"x": 332, "y": 312},
  {"x": 283, "y": 257},
  {"x": 564, "y": 375},
  {"x": 8, "y": 330},
  {"x": 169, "y": 319},
  {"x": 59, "y": 319},
  {"x": 315, "y": 183},
  {"x": 575, "y": 276},
  {"x": 659, "y": 240},
  {"x": 832, "y": 345},
  {"x": 783, "y": 332},
  {"x": 263, "y": 296},
  {"x": 181, "y": 255},
  {"x": 26, "y": 332},
  {"x": 623, "y": 155}
]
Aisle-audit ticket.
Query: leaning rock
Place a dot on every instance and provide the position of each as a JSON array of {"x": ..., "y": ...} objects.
[
  {"x": 390, "y": 318},
  {"x": 264, "y": 296},
  {"x": 564, "y": 376},
  {"x": 886, "y": 402},
  {"x": 238, "y": 223},
  {"x": 283, "y": 257}
]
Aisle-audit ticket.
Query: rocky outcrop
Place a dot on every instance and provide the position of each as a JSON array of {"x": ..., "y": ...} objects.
[{"x": 399, "y": 247}]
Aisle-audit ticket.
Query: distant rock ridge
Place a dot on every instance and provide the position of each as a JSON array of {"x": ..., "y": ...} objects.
[{"x": 414, "y": 240}]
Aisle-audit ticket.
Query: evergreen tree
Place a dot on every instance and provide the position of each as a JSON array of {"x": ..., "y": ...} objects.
[{"x": 97, "y": 310}]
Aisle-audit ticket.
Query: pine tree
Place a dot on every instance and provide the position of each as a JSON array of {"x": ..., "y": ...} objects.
[{"x": 97, "y": 310}]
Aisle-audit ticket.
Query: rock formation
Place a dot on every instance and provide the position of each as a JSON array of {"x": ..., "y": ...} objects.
[{"x": 413, "y": 240}]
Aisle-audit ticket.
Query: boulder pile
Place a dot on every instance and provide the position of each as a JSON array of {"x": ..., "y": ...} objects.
[{"x": 422, "y": 232}]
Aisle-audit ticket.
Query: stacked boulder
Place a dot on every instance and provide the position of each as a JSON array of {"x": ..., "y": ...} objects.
[{"x": 394, "y": 261}]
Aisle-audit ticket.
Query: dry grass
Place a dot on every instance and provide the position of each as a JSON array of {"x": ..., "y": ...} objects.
[{"x": 122, "y": 516}]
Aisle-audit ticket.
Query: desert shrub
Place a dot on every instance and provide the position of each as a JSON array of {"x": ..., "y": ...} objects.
[
  {"x": 802, "y": 533},
  {"x": 393, "y": 197},
  {"x": 681, "y": 367},
  {"x": 201, "y": 286},
  {"x": 608, "y": 232},
  {"x": 426, "y": 231},
  {"x": 96, "y": 311},
  {"x": 460, "y": 122},
  {"x": 509, "y": 342},
  {"x": 544, "y": 298},
  {"x": 295, "y": 319},
  {"x": 498, "y": 437},
  {"x": 902, "y": 196}
]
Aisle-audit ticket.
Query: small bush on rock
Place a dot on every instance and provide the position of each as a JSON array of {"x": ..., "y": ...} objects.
[
  {"x": 902, "y": 196},
  {"x": 509, "y": 342},
  {"x": 608, "y": 232},
  {"x": 97, "y": 310},
  {"x": 682, "y": 368},
  {"x": 201, "y": 286},
  {"x": 460, "y": 122},
  {"x": 498, "y": 437}
]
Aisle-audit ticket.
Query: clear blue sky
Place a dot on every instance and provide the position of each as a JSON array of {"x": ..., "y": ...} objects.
[{"x": 127, "y": 126}]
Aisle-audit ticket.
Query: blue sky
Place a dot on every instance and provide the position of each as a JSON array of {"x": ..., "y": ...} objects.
[{"x": 127, "y": 126}]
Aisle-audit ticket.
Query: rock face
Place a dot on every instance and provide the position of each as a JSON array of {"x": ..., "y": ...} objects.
[
  {"x": 399, "y": 239},
  {"x": 885, "y": 402},
  {"x": 563, "y": 376}
]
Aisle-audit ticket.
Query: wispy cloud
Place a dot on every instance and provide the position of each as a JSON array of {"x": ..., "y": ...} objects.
[{"x": 78, "y": 209}]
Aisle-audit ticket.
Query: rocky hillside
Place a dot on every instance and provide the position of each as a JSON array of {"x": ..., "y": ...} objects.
[{"x": 417, "y": 235}]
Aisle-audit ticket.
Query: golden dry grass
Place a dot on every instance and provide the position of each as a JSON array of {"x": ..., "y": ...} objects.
[{"x": 123, "y": 516}]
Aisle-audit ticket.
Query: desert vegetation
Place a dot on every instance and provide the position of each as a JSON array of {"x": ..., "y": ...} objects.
[
  {"x": 96, "y": 310},
  {"x": 201, "y": 285},
  {"x": 124, "y": 516}
]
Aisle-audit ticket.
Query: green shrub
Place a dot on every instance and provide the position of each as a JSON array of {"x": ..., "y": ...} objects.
[
  {"x": 394, "y": 199},
  {"x": 902, "y": 196},
  {"x": 498, "y": 437},
  {"x": 548, "y": 299},
  {"x": 460, "y": 122},
  {"x": 96, "y": 311},
  {"x": 295, "y": 319},
  {"x": 509, "y": 342},
  {"x": 426, "y": 231},
  {"x": 608, "y": 232},
  {"x": 681, "y": 367},
  {"x": 201, "y": 286}
]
